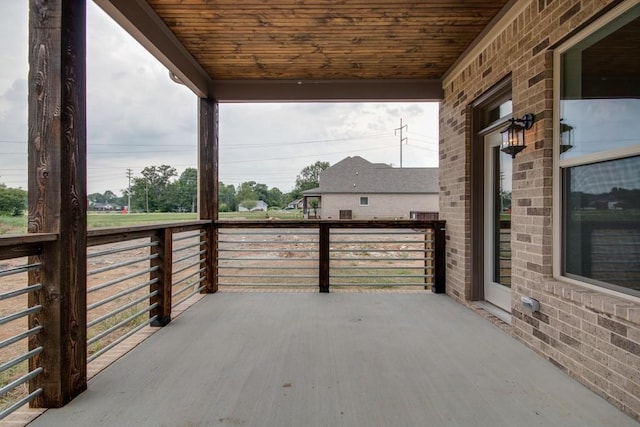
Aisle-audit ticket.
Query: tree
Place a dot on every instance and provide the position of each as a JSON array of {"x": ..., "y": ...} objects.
[
  {"x": 183, "y": 194},
  {"x": 150, "y": 193},
  {"x": 226, "y": 198},
  {"x": 315, "y": 204},
  {"x": 13, "y": 201},
  {"x": 96, "y": 198},
  {"x": 246, "y": 193},
  {"x": 275, "y": 197},
  {"x": 309, "y": 178}
]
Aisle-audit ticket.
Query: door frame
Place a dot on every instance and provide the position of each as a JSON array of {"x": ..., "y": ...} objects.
[
  {"x": 481, "y": 125},
  {"x": 500, "y": 294}
]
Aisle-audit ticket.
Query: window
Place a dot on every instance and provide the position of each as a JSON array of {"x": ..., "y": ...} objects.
[
  {"x": 599, "y": 154},
  {"x": 364, "y": 201}
]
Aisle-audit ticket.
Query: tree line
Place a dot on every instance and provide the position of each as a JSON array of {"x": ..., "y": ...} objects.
[{"x": 161, "y": 189}]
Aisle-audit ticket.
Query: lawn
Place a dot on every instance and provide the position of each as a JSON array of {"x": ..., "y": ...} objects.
[{"x": 18, "y": 225}]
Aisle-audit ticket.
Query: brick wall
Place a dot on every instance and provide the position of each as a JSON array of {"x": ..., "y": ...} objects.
[{"x": 591, "y": 335}]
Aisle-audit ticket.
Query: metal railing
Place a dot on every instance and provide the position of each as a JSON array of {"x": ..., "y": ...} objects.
[
  {"x": 188, "y": 265},
  {"x": 18, "y": 362},
  {"x": 137, "y": 275},
  {"x": 388, "y": 257},
  {"x": 328, "y": 253},
  {"x": 268, "y": 257},
  {"x": 118, "y": 292},
  {"x": 134, "y": 275}
]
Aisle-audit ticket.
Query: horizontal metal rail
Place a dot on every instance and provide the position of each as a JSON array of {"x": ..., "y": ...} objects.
[
  {"x": 16, "y": 361},
  {"x": 121, "y": 309},
  {"x": 184, "y": 279},
  {"x": 189, "y": 236},
  {"x": 196, "y": 291},
  {"x": 123, "y": 249},
  {"x": 270, "y": 259},
  {"x": 18, "y": 292},
  {"x": 120, "y": 324},
  {"x": 378, "y": 276},
  {"x": 20, "y": 403},
  {"x": 377, "y": 268},
  {"x": 379, "y": 285},
  {"x": 234, "y": 267},
  {"x": 188, "y": 266},
  {"x": 271, "y": 276},
  {"x": 350, "y": 259},
  {"x": 121, "y": 264},
  {"x": 20, "y": 269},
  {"x": 362, "y": 250},
  {"x": 265, "y": 233},
  {"x": 121, "y": 279},
  {"x": 20, "y": 314},
  {"x": 269, "y": 251},
  {"x": 18, "y": 382},
  {"x": 189, "y": 256},
  {"x": 185, "y": 288},
  {"x": 120, "y": 339},
  {"x": 121, "y": 294},
  {"x": 26, "y": 334},
  {"x": 184, "y": 248}
]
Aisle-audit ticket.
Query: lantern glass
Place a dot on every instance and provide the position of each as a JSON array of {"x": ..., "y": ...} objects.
[
  {"x": 513, "y": 139},
  {"x": 566, "y": 137},
  {"x": 513, "y": 136}
]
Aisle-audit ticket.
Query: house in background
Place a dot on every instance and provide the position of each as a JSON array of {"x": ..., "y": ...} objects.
[
  {"x": 295, "y": 204},
  {"x": 355, "y": 188},
  {"x": 260, "y": 206}
]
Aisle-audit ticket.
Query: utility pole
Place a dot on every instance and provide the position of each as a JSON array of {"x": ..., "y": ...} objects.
[
  {"x": 129, "y": 175},
  {"x": 405, "y": 139}
]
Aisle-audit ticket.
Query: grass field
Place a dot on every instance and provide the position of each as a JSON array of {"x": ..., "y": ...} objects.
[{"x": 18, "y": 225}]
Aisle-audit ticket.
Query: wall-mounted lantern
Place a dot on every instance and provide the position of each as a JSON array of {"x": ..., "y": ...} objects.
[
  {"x": 566, "y": 137},
  {"x": 513, "y": 135}
]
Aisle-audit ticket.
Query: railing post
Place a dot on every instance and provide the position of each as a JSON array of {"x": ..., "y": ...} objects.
[
  {"x": 57, "y": 155},
  {"x": 164, "y": 275},
  {"x": 440, "y": 280},
  {"x": 324, "y": 257},
  {"x": 428, "y": 260},
  {"x": 208, "y": 145},
  {"x": 210, "y": 257}
]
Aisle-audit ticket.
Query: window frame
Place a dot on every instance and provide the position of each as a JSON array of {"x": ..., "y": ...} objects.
[
  {"x": 360, "y": 200},
  {"x": 560, "y": 164}
]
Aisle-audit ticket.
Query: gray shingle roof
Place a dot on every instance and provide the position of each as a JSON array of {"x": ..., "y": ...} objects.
[{"x": 357, "y": 175}]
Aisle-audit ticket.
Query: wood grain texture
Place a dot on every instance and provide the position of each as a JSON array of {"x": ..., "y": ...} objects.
[
  {"x": 163, "y": 276},
  {"x": 57, "y": 194},
  {"x": 322, "y": 39},
  {"x": 208, "y": 185}
]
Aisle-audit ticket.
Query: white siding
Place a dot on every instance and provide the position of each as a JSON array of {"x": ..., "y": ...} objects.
[{"x": 381, "y": 206}]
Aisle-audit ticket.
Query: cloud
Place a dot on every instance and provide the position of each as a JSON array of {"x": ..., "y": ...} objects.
[{"x": 138, "y": 117}]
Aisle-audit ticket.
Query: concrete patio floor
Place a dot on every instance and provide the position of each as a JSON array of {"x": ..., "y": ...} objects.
[{"x": 339, "y": 359}]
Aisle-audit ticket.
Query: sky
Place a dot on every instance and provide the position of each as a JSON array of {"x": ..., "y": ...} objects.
[{"x": 137, "y": 117}]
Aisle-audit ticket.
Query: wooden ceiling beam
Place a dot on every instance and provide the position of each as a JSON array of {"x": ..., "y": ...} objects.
[{"x": 357, "y": 90}]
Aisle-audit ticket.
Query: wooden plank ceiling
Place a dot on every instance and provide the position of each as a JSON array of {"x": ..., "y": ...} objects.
[{"x": 320, "y": 39}]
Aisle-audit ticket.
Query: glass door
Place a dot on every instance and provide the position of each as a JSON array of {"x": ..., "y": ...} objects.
[{"x": 497, "y": 223}]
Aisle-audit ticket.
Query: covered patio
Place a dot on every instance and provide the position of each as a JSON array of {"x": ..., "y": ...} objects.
[
  {"x": 338, "y": 359},
  {"x": 273, "y": 359}
]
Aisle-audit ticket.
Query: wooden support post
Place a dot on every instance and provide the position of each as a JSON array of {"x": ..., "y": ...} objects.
[
  {"x": 57, "y": 195},
  {"x": 428, "y": 257},
  {"x": 324, "y": 260},
  {"x": 164, "y": 276},
  {"x": 440, "y": 258},
  {"x": 208, "y": 185}
]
